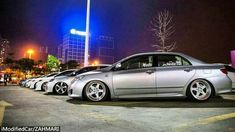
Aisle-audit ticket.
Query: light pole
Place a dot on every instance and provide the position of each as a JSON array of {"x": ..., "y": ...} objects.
[{"x": 87, "y": 33}]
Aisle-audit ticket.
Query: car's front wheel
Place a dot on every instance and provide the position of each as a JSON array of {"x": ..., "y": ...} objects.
[
  {"x": 199, "y": 90},
  {"x": 61, "y": 88},
  {"x": 96, "y": 91},
  {"x": 43, "y": 87}
]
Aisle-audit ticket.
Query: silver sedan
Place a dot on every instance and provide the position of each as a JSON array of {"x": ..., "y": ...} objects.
[{"x": 155, "y": 74}]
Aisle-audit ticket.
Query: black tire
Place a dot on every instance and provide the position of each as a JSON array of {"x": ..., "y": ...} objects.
[
  {"x": 97, "y": 91},
  {"x": 34, "y": 87}
]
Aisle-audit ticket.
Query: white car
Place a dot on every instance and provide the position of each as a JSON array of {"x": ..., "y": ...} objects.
[
  {"x": 44, "y": 78},
  {"x": 59, "y": 84},
  {"x": 28, "y": 82},
  {"x": 33, "y": 82},
  {"x": 42, "y": 84}
]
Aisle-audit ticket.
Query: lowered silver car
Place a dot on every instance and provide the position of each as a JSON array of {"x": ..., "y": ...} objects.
[{"x": 155, "y": 74}]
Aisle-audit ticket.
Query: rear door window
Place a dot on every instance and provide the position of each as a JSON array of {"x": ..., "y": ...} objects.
[{"x": 172, "y": 60}]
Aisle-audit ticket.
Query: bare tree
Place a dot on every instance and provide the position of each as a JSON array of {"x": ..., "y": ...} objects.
[{"x": 163, "y": 29}]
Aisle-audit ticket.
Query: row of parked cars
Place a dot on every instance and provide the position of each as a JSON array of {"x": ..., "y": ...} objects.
[
  {"x": 144, "y": 75},
  {"x": 57, "y": 82}
]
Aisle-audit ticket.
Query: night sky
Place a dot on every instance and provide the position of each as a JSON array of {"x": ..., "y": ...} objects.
[{"x": 204, "y": 28}]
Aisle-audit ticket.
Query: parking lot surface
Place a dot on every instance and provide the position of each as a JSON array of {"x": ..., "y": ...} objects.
[{"x": 26, "y": 107}]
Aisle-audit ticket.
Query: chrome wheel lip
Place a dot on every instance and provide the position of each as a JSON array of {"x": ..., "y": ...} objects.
[
  {"x": 200, "y": 90},
  {"x": 61, "y": 87},
  {"x": 96, "y": 91}
]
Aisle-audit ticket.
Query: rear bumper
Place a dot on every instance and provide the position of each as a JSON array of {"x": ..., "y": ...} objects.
[
  {"x": 222, "y": 84},
  {"x": 75, "y": 89},
  {"x": 233, "y": 87}
]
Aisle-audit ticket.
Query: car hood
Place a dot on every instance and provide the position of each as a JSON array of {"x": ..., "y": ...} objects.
[
  {"x": 61, "y": 77},
  {"x": 47, "y": 78},
  {"x": 93, "y": 72}
]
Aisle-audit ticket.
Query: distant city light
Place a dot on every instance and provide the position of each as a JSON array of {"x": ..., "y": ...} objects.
[
  {"x": 76, "y": 32},
  {"x": 95, "y": 63},
  {"x": 30, "y": 52}
]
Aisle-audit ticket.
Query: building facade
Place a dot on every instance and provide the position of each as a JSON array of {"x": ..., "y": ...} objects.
[
  {"x": 43, "y": 53},
  {"x": 101, "y": 48},
  {"x": 4, "y": 49},
  {"x": 73, "y": 48}
]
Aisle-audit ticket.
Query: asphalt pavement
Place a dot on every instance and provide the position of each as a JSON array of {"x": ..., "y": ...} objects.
[{"x": 26, "y": 107}]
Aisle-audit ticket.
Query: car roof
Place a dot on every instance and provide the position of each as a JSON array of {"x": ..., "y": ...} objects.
[
  {"x": 194, "y": 61},
  {"x": 99, "y": 65}
]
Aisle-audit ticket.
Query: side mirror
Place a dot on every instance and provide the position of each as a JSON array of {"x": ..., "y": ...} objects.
[{"x": 73, "y": 74}]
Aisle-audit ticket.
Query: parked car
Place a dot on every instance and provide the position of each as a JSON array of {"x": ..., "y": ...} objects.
[
  {"x": 59, "y": 84},
  {"x": 41, "y": 84},
  {"x": 1, "y": 77},
  {"x": 154, "y": 74},
  {"x": 28, "y": 82},
  {"x": 33, "y": 82}
]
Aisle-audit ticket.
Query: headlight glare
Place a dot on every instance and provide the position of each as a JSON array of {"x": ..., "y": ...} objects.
[{"x": 79, "y": 77}]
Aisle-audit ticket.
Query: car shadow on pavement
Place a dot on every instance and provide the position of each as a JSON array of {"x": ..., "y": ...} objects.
[
  {"x": 215, "y": 102},
  {"x": 53, "y": 94}
]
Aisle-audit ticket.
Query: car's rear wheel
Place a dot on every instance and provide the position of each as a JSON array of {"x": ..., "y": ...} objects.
[
  {"x": 199, "y": 90},
  {"x": 61, "y": 88},
  {"x": 96, "y": 91}
]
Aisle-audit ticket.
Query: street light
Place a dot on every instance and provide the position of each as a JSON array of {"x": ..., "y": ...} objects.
[
  {"x": 86, "y": 33},
  {"x": 76, "y": 32},
  {"x": 30, "y": 52},
  {"x": 96, "y": 62}
]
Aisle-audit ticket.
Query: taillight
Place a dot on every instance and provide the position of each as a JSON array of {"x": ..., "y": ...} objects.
[{"x": 224, "y": 70}]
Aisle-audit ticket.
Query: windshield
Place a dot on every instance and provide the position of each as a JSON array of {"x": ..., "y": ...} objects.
[
  {"x": 87, "y": 69},
  {"x": 52, "y": 74},
  {"x": 65, "y": 73}
]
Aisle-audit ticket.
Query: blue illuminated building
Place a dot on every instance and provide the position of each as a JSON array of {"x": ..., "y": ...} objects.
[{"x": 101, "y": 48}]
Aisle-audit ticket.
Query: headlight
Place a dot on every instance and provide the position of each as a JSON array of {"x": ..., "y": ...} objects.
[
  {"x": 79, "y": 77},
  {"x": 39, "y": 80},
  {"x": 52, "y": 80}
]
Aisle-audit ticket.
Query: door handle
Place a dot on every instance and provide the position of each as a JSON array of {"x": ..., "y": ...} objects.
[
  {"x": 150, "y": 71},
  {"x": 187, "y": 69}
]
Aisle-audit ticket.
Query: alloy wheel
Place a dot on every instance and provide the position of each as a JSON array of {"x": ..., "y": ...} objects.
[
  {"x": 61, "y": 88},
  {"x": 96, "y": 91},
  {"x": 200, "y": 90}
]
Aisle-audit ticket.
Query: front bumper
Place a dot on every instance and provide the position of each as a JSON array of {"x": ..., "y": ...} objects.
[
  {"x": 39, "y": 86},
  {"x": 49, "y": 87},
  {"x": 75, "y": 89},
  {"x": 32, "y": 84}
]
